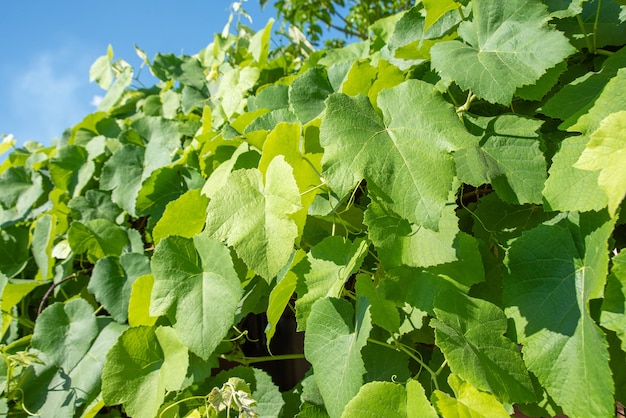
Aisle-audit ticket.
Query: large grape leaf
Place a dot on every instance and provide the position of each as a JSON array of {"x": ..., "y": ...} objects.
[
  {"x": 564, "y": 186},
  {"x": 509, "y": 158},
  {"x": 470, "y": 332},
  {"x": 255, "y": 218},
  {"x": 553, "y": 272},
  {"x": 404, "y": 156},
  {"x": 508, "y": 44},
  {"x": 326, "y": 269},
  {"x": 196, "y": 285},
  {"x": 333, "y": 344},
  {"x": 141, "y": 366},
  {"x": 307, "y": 94},
  {"x": 53, "y": 391},
  {"x": 606, "y": 152},
  {"x": 98, "y": 238},
  {"x": 183, "y": 216}
]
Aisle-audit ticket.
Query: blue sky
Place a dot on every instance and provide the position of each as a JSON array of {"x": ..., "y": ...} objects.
[{"x": 47, "y": 47}]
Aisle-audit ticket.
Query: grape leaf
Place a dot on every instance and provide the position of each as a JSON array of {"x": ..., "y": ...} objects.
[
  {"x": 613, "y": 315},
  {"x": 43, "y": 237},
  {"x": 554, "y": 271},
  {"x": 378, "y": 399},
  {"x": 568, "y": 187},
  {"x": 196, "y": 285},
  {"x": 255, "y": 218},
  {"x": 333, "y": 344},
  {"x": 509, "y": 157},
  {"x": 112, "y": 280},
  {"x": 606, "y": 152},
  {"x": 400, "y": 243},
  {"x": 470, "y": 332},
  {"x": 307, "y": 94},
  {"x": 141, "y": 366},
  {"x": 417, "y": 132},
  {"x": 184, "y": 216},
  {"x": 326, "y": 269},
  {"x": 99, "y": 238},
  {"x": 468, "y": 403},
  {"x": 70, "y": 170},
  {"x": 435, "y": 9},
  {"x": 139, "y": 302},
  {"x": 506, "y": 45}
]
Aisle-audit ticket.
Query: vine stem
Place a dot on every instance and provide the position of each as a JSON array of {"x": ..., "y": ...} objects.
[
  {"x": 251, "y": 360},
  {"x": 399, "y": 346},
  {"x": 46, "y": 295},
  {"x": 595, "y": 26},
  {"x": 585, "y": 34}
]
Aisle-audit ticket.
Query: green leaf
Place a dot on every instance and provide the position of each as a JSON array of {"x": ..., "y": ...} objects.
[
  {"x": 509, "y": 157},
  {"x": 184, "y": 216},
  {"x": 12, "y": 293},
  {"x": 164, "y": 185},
  {"x": 141, "y": 366},
  {"x": 21, "y": 189},
  {"x": 611, "y": 100},
  {"x": 469, "y": 332},
  {"x": 43, "y": 238},
  {"x": 400, "y": 243},
  {"x": 506, "y": 45},
  {"x": 255, "y": 218},
  {"x": 554, "y": 271},
  {"x": 70, "y": 170},
  {"x": 416, "y": 134},
  {"x": 196, "y": 285},
  {"x": 14, "y": 243},
  {"x": 54, "y": 392},
  {"x": 468, "y": 403},
  {"x": 307, "y": 94},
  {"x": 384, "y": 312},
  {"x": 613, "y": 315},
  {"x": 569, "y": 187},
  {"x": 112, "y": 280},
  {"x": 99, "y": 238},
  {"x": 576, "y": 98},
  {"x": 378, "y": 399},
  {"x": 233, "y": 88},
  {"x": 122, "y": 175},
  {"x": 117, "y": 90},
  {"x": 606, "y": 152},
  {"x": 93, "y": 205},
  {"x": 64, "y": 332},
  {"x": 333, "y": 344},
  {"x": 326, "y": 269}
]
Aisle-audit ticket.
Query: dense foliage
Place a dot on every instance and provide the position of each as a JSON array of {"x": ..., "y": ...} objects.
[{"x": 437, "y": 206}]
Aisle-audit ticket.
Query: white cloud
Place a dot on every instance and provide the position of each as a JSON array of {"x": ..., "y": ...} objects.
[
  {"x": 96, "y": 100},
  {"x": 49, "y": 95}
]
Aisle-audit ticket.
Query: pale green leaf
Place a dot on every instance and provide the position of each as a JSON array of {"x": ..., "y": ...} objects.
[
  {"x": 139, "y": 302},
  {"x": 233, "y": 88},
  {"x": 509, "y": 157},
  {"x": 196, "y": 285},
  {"x": 140, "y": 367},
  {"x": 506, "y": 45},
  {"x": 435, "y": 9},
  {"x": 112, "y": 280},
  {"x": 384, "y": 312},
  {"x": 70, "y": 170},
  {"x": 468, "y": 403},
  {"x": 469, "y": 332},
  {"x": 417, "y": 402},
  {"x": 184, "y": 216},
  {"x": 416, "y": 134},
  {"x": 570, "y": 188},
  {"x": 332, "y": 344},
  {"x": 613, "y": 315},
  {"x": 326, "y": 269},
  {"x": 101, "y": 70},
  {"x": 12, "y": 293},
  {"x": 117, "y": 89},
  {"x": 378, "y": 399},
  {"x": 279, "y": 298},
  {"x": 554, "y": 271},
  {"x": 254, "y": 217},
  {"x": 606, "y": 152}
]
